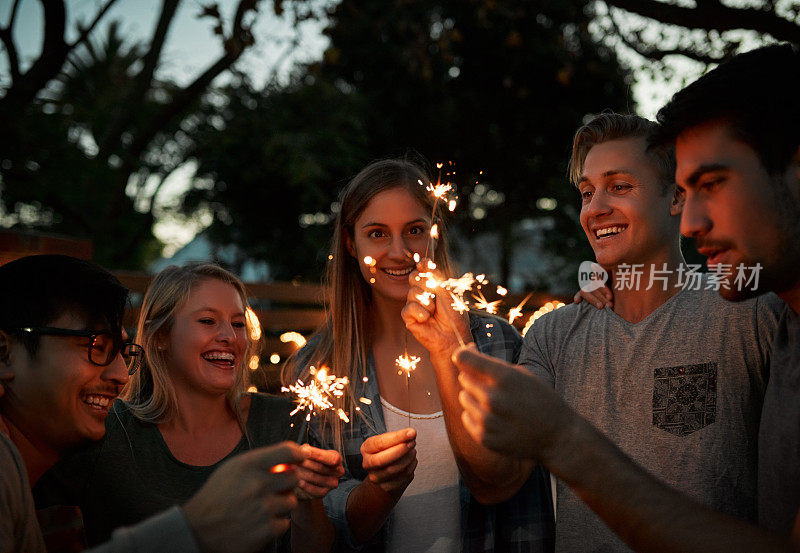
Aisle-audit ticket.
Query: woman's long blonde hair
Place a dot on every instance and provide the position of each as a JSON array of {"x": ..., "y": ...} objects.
[
  {"x": 150, "y": 392},
  {"x": 344, "y": 341}
]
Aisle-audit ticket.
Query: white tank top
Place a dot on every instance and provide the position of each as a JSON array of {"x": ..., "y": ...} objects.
[{"x": 427, "y": 519}]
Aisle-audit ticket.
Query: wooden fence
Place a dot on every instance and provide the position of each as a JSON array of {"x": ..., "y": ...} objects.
[{"x": 285, "y": 306}]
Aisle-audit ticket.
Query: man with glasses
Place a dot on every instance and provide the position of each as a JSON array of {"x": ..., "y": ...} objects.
[{"x": 64, "y": 358}]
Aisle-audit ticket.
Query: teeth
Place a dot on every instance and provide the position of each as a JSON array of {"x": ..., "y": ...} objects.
[
  {"x": 218, "y": 355},
  {"x": 402, "y": 272},
  {"x": 609, "y": 230},
  {"x": 99, "y": 401}
]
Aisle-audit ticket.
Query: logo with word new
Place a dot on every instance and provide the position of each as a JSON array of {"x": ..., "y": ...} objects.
[{"x": 591, "y": 276}]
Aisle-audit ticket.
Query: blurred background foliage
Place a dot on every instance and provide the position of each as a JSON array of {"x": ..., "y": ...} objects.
[{"x": 93, "y": 131}]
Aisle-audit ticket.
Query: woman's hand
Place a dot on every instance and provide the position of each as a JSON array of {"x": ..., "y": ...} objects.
[
  {"x": 319, "y": 473},
  {"x": 390, "y": 459},
  {"x": 429, "y": 317}
]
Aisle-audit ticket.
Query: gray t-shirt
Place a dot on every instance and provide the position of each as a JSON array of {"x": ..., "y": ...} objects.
[
  {"x": 779, "y": 438},
  {"x": 679, "y": 392},
  {"x": 19, "y": 531}
]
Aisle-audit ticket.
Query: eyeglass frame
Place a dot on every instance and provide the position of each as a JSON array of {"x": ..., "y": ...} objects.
[{"x": 120, "y": 348}]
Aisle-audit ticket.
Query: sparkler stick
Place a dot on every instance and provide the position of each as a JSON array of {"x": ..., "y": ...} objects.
[
  {"x": 516, "y": 312},
  {"x": 439, "y": 190},
  {"x": 407, "y": 364}
]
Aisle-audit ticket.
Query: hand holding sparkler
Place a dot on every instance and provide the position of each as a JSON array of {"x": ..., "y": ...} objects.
[
  {"x": 508, "y": 409},
  {"x": 319, "y": 473},
  {"x": 245, "y": 505},
  {"x": 390, "y": 459},
  {"x": 429, "y": 315}
]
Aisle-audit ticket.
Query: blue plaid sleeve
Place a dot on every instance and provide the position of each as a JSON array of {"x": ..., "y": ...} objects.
[{"x": 524, "y": 523}]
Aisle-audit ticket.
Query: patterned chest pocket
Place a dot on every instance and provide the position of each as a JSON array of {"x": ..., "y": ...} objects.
[{"x": 685, "y": 398}]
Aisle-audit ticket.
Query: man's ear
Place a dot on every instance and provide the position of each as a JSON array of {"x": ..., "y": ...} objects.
[{"x": 678, "y": 199}]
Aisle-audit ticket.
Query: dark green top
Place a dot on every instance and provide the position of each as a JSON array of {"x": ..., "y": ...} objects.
[{"x": 131, "y": 474}]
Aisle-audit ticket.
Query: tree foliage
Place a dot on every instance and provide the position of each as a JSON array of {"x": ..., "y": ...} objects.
[
  {"x": 267, "y": 157},
  {"x": 498, "y": 88},
  {"x": 708, "y": 32},
  {"x": 93, "y": 133}
]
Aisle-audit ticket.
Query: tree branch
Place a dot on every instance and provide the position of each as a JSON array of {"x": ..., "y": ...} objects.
[
  {"x": 46, "y": 67},
  {"x": 8, "y": 41},
  {"x": 164, "y": 176},
  {"x": 658, "y": 54},
  {"x": 235, "y": 45},
  {"x": 713, "y": 15},
  {"x": 86, "y": 31},
  {"x": 13, "y": 17},
  {"x": 126, "y": 111}
]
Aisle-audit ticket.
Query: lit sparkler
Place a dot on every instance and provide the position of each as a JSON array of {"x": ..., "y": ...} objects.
[
  {"x": 459, "y": 286},
  {"x": 482, "y": 303},
  {"x": 318, "y": 395},
  {"x": 425, "y": 298},
  {"x": 459, "y": 304},
  {"x": 439, "y": 190},
  {"x": 406, "y": 364},
  {"x": 516, "y": 312},
  {"x": 432, "y": 283}
]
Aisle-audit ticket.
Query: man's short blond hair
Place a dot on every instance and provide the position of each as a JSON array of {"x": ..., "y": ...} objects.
[{"x": 615, "y": 126}]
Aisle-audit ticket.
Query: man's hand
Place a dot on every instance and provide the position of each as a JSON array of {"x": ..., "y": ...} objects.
[
  {"x": 243, "y": 506},
  {"x": 429, "y": 317},
  {"x": 507, "y": 409},
  {"x": 600, "y": 298},
  {"x": 319, "y": 473},
  {"x": 390, "y": 459}
]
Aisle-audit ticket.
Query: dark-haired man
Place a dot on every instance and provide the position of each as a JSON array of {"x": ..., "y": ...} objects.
[
  {"x": 684, "y": 406},
  {"x": 738, "y": 167},
  {"x": 737, "y": 138},
  {"x": 63, "y": 359}
]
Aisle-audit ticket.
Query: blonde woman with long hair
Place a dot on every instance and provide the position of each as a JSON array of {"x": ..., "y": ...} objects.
[
  {"x": 187, "y": 410},
  {"x": 418, "y": 486}
]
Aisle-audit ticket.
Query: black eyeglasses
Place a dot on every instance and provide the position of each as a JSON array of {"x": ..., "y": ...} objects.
[{"x": 103, "y": 348}]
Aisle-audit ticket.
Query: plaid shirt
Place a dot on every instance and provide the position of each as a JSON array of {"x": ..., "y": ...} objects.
[{"x": 523, "y": 524}]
